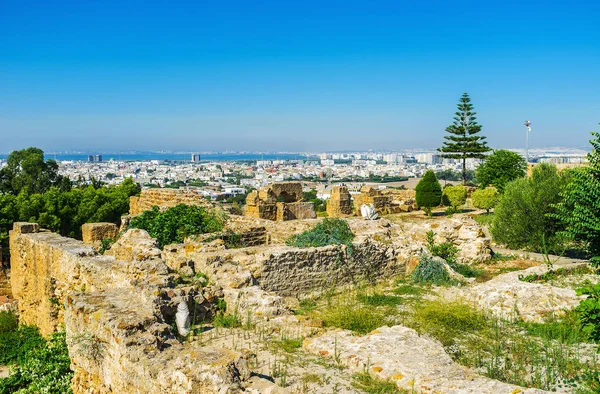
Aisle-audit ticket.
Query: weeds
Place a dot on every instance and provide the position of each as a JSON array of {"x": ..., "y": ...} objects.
[
  {"x": 362, "y": 319},
  {"x": 365, "y": 382}
]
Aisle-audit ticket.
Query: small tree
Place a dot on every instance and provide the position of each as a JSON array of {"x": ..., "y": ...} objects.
[
  {"x": 501, "y": 167},
  {"x": 428, "y": 192},
  {"x": 522, "y": 218},
  {"x": 580, "y": 209},
  {"x": 463, "y": 142},
  {"x": 454, "y": 196},
  {"x": 485, "y": 198}
]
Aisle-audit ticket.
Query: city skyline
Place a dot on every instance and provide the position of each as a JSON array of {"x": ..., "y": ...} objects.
[{"x": 303, "y": 77}]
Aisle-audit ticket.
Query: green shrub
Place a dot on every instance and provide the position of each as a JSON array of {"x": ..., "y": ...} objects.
[
  {"x": 44, "y": 367},
  {"x": 178, "y": 222},
  {"x": 106, "y": 244},
  {"x": 454, "y": 196},
  {"x": 445, "y": 250},
  {"x": 430, "y": 270},
  {"x": 327, "y": 232},
  {"x": 522, "y": 217},
  {"x": 485, "y": 198},
  {"x": 17, "y": 343},
  {"x": 500, "y": 168},
  {"x": 8, "y": 321},
  {"x": 428, "y": 192},
  {"x": 579, "y": 211},
  {"x": 588, "y": 311}
]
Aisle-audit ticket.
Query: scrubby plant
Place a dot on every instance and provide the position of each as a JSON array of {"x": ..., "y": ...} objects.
[
  {"x": 428, "y": 192},
  {"x": 41, "y": 366},
  {"x": 499, "y": 168},
  {"x": 8, "y": 321},
  {"x": 327, "y": 232},
  {"x": 485, "y": 198},
  {"x": 522, "y": 218},
  {"x": 178, "y": 222},
  {"x": 579, "y": 211},
  {"x": 588, "y": 311},
  {"x": 105, "y": 245},
  {"x": 430, "y": 270},
  {"x": 454, "y": 196}
]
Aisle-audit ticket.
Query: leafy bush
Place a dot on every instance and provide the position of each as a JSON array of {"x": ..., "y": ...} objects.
[
  {"x": 178, "y": 222},
  {"x": 522, "y": 218},
  {"x": 430, "y": 270},
  {"x": 17, "y": 343},
  {"x": 454, "y": 196},
  {"x": 8, "y": 321},
  {"x": 445, "y": 250},
  {"x": 499, "y": 168},
  {"x": 588, "y": 311},
  {"x": 428, "y": 192},
  {"x": 105, "y": 245},
  {"x": 485, "y": 198},
  {"x": 579, "y": 211},
  {"x": 327, "y": 232},
  {"x": 44, "y": 367}
]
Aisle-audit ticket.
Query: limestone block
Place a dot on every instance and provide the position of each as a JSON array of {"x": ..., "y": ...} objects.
[
  {"x": 93, "y": 233},
  {"x": 135, "y": 244},
  {"x": 25, "y": 228}
]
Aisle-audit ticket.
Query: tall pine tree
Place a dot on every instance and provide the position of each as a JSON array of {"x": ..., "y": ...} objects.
[{"x": 463, "y": 142}]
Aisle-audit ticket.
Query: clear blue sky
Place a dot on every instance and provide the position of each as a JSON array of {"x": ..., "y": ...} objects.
[{"x": 294, "y": 75}]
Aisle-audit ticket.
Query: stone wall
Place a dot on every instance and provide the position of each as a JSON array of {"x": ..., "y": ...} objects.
[
  {"x": 164, "y": 198},
  {"x": 118, "y": 318},
  {"x": 289, "y": 271},
  {"x": 296, "y": 272}
]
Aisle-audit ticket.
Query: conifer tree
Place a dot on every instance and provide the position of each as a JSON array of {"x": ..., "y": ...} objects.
[
  {"x": 428, "y": 192},
  {"x": 463, "y": 142}
]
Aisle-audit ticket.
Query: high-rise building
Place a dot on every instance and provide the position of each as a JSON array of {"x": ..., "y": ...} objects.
[
  {"x": 195, "y": 157},
  {"x": 94, "y": 158}
]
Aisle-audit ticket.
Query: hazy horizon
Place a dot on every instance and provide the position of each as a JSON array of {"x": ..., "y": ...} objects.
[{"x": 305, "y": 77}]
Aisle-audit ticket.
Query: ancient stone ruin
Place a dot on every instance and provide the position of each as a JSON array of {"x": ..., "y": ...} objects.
[
  {"x": 387, "y": 201},
  {"x": 279, "y": 202},
  {"x": 165, "y": 198},
  {"x": 340, "y": 203}
]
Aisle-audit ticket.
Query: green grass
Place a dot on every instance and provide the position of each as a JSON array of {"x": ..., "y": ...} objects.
[
  {"x": 566, "y": 330},
  {"x": 526, "y": 354},
  {"x": 288, "y": 345},
  {"x": 306, "y": 306},
  {"x": 379, "y": 299},
  {"x": 369, "y": 385},
  {"x": 348, "y": 314},
  {"x": 446, "y": 322},
  {"x": 227, "y": 320},
  {"x": 409, "y": 290}
]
